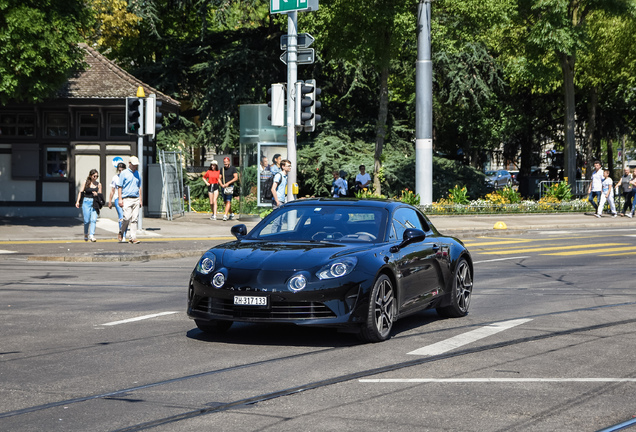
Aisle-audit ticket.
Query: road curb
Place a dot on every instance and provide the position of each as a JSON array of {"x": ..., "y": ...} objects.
[{"x": 115, "y": 257}]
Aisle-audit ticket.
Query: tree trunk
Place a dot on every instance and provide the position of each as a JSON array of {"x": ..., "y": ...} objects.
[
  {"x": 381, "y": 128},
  {"x": 610, "y": 156},
  {"x": 591, "y": 133},
  {"x": 569, "y": 153}
]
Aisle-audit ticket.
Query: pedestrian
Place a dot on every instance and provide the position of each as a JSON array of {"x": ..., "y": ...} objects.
[
  {"x": 362, "y": 179},
  {"x": 279, "y": 186},
  {"x": 607, "y": 195},
  {"x": 275, "y": 166},
  {"x": 211, "y": 179},
  {"x": 130, "y": 199},
  {"x": 228, "y": 177},
  {"x": 113, "y": 193},
  {"x": 265, "y": 179},
  {"x": 627, "y": 190},
  {"x": 87, "y": 198},
  {"x": 340, "y": 187},
  {"x": 596, "y": 186}
]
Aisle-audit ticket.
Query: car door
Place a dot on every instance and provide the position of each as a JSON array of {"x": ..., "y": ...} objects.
[{"x": 418, "y": 270}]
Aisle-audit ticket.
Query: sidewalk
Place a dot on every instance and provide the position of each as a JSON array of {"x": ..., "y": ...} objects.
[{"x": 62, "y": 239}]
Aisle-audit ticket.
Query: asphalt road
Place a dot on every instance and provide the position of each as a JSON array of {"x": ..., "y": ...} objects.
[{"x": 106, "y": 346}]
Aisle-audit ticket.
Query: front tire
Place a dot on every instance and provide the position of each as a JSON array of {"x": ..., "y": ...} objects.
[
  {"x": 381, "y": 311},
  {"x": 461, "y": 292},
  {"x": 213, "y": 327}
]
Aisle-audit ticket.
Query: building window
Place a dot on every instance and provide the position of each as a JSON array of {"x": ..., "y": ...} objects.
[
  {"x": 22, "y": 125},
  {"x": 56, "y": 162},
  {"x": 56, "y": 125},
  {"x": 116, "y": 125},
  {"x": 89, "y": 125}
]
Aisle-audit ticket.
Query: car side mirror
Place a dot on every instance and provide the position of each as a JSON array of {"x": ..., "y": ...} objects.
[
  {"x": 239, "y": 230},
  {"x": 411, "y": 235}
]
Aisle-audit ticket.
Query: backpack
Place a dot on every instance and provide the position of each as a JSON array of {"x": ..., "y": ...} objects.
[{"x": 266, "y": 190}]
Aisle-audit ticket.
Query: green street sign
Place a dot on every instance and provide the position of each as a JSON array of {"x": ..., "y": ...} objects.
[{"x": 284, "y": 6}]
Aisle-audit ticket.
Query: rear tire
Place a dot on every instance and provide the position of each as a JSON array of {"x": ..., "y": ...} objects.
[
  {"x": 461, "y": 292},
  {"x": 213, "y": 327},
  {"x": 381, "y": 312}
]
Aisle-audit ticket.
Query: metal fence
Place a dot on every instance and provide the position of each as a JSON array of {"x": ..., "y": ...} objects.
[
  {"x": 172, "y": 177},
  {"x": 579, "y": 191}
]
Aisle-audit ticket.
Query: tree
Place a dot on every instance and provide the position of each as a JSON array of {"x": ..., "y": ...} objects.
[
  {"x": 561, "y": 26},
  {"x": 39, "y": 46}
]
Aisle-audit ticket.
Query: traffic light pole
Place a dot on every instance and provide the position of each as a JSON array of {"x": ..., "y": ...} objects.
[{"x": 292, "y": 75}]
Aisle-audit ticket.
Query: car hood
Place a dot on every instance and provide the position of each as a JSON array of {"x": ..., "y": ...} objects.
[{"x": 284, "y": 257}]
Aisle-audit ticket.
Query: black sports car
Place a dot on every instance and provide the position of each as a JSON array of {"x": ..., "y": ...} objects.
[{"x": 360, "y": 264}]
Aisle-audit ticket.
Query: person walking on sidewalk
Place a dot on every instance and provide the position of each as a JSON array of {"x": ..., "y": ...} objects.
[
  {"x": 596, "y": 186},
  {"x": 113, "y": 192},
  {"x": 279, "y": 195},
  {"x": 228, "y": 177},
  {"x": 130, "y": 199},
  {"x": 211, "y": 179},
  {"x": 606, "y": 195},
  {"x": 627, "y": 190},
  {"x": 87, "y": 197}
]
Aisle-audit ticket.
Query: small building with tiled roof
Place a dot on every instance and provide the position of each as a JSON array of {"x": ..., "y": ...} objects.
[{"x": 47, "y": 149}]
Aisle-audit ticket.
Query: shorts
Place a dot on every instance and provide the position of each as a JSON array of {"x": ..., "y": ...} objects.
[
  {"x": 227, "y": 197},
  {"x": 213, "y": 187}
]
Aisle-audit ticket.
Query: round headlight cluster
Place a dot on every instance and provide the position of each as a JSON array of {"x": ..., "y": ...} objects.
[
  {"x": 218, "y": 280},
  {"x": 338, "y": 268},
  {"x": 206, "y": 263},
  {"x": 297, "y": 282}
]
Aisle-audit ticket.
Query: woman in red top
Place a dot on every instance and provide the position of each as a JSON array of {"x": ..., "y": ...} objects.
[{"x": 211, "y": 178}]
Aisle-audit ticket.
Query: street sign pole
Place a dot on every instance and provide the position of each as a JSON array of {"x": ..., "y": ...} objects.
[{"x": 292, "y": 75}]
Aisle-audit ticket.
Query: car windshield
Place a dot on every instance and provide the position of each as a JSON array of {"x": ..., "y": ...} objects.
[{"x": 323, "y": 223}]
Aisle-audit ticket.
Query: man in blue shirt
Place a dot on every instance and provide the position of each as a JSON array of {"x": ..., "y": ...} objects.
[
  {"x": 130, "y": 199},
  {"x": 280, "y": 183}
]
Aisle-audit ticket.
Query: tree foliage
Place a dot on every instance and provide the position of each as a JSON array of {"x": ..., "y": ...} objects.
[{"x": 38, "y": 46}]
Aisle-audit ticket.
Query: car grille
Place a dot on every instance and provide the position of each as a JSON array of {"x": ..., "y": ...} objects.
[{"x": 277, "y": 310}]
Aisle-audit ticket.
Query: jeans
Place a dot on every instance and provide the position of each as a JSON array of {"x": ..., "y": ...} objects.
[
  {"x": 596, "y": 194},
  {"x": 120, "y": 214},
  {"x": 90, "y": 217}
]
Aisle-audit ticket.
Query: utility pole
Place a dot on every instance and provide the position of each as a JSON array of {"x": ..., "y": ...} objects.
[
  {"x": 424, "y": 106},
  {"x": 292, "y": 75}
]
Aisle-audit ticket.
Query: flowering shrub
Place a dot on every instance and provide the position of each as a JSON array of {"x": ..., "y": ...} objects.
[
  {"x": 457, "y": 195},
  {"x": 408, "y": 197}
]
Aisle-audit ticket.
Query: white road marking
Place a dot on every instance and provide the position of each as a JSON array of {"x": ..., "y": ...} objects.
[
  {"x": 145, "y": 317},
  {"x": 113, "y": 227},
  {"x": 495, "y": 380},
  {"x": 469, "y": 337},
  {"x": 3, "y": 251},
  {"x": 500, "y": 259}
]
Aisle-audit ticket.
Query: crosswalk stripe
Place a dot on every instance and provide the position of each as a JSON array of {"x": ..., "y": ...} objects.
[
  {"x": 589, "y": 249},
  {"x": 594, "y": 250}
]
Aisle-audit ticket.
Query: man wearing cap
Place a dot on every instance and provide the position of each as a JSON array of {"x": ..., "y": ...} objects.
[
  {"x": 228, "y": 177},
  {"x": 130, "y": 199}
]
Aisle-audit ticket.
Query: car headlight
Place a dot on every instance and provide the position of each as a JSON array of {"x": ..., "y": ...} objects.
[
  {"x": 206, "y": 263},
  {"x": 297, "y": 282},
  {"x": 338, "y": 268}
]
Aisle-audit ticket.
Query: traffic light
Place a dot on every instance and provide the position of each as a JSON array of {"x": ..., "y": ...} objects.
[
  {"x": 134, "y": 116},
  {"x": 276, "y": 96},
  {"x": 153, "y": 116},
  {"x": 306, "y": 104}
]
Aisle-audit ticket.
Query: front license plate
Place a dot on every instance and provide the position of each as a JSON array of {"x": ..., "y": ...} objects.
[{"x": 250, "y": 301}]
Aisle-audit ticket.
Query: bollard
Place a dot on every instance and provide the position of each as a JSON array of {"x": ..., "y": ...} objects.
[{"x": 500, "y": 225}]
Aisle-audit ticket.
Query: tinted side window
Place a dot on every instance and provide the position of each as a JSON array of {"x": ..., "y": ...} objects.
[{"x": 403, "y": 219}]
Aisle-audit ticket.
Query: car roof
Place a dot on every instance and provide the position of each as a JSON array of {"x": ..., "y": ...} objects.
[{"x": 388, "y": 204}]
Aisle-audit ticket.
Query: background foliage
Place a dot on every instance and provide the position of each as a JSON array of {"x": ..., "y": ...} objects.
[{"x": 498, "y": 76}]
